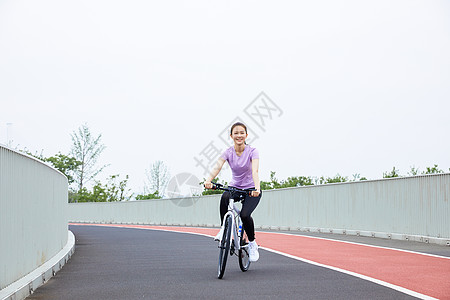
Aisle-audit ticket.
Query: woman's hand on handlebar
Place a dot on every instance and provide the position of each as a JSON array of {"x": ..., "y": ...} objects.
[
  {"x": 255, "y": 193},
  {"x": 208, "y": 185}
]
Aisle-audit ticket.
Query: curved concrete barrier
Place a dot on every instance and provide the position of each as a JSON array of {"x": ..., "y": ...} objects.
[
  {"x": 26, "y": 285},
  {"x": 410, "y": 208},
  {"x": 33, "y": 215}
]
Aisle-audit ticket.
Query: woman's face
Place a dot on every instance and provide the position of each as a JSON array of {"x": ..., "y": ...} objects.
[{"x": 239, "y": 135}]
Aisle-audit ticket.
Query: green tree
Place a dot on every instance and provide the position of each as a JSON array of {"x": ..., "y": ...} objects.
[
  {"x": 98, "y": 194},
  {"x": 272, "y": 184},
  {"x": 157, "y": 178},
  {"x": 86, "y": 149},
  {"x": 433, "y": 170},
  {"x": 79, "y": 196},
  {"x": 391, "y": 174},
  {"x": 292, "y": 181},
  {"x": 265, "y": 185},
  {"x": 326, "y": 180},
  {"x": 274, "y": 181},
  {"x": 413, "y": 171},
  {"x": 295, "y": 181},
  {"x": 336, "y": 179},
  {"x": 114, "y": 190},
  {"x": 357, "y": 177},
  {"x": 148, "y": 196},
  {"x": 65, "y": 164}
]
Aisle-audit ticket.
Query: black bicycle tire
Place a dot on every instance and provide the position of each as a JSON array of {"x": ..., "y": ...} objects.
[
  {"x": 243, "y": 252},
  {"x": 224, "y": 247}
]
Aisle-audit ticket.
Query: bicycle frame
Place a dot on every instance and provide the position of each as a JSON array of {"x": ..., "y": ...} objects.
[
  {"x": 232, "y": 232},
  {"x": 234, "y": 211}
]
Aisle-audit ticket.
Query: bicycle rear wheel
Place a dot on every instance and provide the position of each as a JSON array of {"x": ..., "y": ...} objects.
[
  {"x": 224, "y": 247},
  {"x": 244, "y": 261}
]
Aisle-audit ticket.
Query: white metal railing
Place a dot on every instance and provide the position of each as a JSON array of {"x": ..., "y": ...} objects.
[
  {"x": 33, "y": 214},
  {"x": 416, "y": 208}
]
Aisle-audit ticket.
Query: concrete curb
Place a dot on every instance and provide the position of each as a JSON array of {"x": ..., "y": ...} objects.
[{"x": 26, "y": 285}]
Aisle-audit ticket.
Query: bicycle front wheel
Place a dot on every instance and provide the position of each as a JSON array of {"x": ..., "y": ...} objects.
[
  {"x": 244, "y": 261},
  {"x": 224, "y": 247}
]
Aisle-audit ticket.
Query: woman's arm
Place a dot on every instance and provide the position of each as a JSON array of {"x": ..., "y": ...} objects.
[
  {"x": 215, "y": 171},
  {"x": 255, "y": 175}
]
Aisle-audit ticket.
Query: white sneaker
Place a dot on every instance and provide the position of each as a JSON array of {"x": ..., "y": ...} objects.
[
  {"x": 253, "y": 254},
  {"x": 219, "y": 235}
]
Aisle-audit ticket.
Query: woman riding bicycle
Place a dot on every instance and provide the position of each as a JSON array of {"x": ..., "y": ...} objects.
[{"x": 244, "y": 164}]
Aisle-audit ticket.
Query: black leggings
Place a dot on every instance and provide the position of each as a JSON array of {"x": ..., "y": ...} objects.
[{"x": 248, "y": 206}]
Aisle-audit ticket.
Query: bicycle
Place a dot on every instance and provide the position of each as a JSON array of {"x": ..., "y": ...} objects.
[{"x": 234, "y": 237}]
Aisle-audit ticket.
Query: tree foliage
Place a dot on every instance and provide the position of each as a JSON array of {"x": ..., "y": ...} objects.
[
  {"x": 65, "y": 164},
  {"x": 413, "y": 171},
  {"x": 296, "y": 181},
  {"x": 114, "y": 190},
  {"x": 148, "y": 196},
  {"x": 433, "y": 170},
  {"x": 86, "y": 149},
  {"x": 336, "y": 179},
  {"x": 157, "y": 178},
  {"x": 391, "y": 174}
]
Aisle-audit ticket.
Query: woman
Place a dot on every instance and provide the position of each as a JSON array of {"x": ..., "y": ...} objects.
[{"x": 244, "y": 164}]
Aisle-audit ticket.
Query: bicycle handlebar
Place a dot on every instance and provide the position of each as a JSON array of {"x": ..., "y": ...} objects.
[{"x": 218, "y": 186}]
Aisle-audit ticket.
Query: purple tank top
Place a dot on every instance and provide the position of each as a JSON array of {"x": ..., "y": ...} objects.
[{"x": 241, "y": 166}]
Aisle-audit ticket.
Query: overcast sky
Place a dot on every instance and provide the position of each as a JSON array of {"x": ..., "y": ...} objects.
[{"x": 350, "y": 86}]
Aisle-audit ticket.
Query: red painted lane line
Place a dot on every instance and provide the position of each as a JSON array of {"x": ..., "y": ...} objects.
[{"x": 428, "y": 275}]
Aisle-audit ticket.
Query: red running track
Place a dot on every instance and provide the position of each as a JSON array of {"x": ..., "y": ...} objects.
[{"x": 420, "y": 275}]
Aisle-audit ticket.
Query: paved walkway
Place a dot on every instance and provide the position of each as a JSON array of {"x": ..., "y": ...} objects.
[{"x": 160, "y": 262}]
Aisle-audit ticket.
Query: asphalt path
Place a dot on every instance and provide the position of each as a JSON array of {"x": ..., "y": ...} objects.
[{"x": 125, "y": 263}]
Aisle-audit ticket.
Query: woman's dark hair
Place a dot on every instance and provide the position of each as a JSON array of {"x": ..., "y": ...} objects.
[{"x": 238, "y": 124}]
